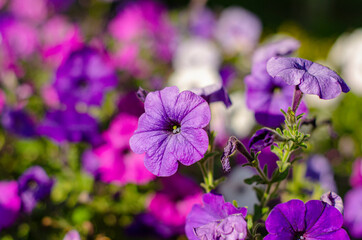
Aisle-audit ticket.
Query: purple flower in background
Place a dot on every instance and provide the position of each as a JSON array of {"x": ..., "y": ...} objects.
[
  {"x": 356, "y": 177},
  {"x": 238, "y": 30},
  {"x": 202, "y": 22},
  {"x": 60, "y": 5},
  {"x": 114, "y": 162},
  {"x": 34, "y": 185},
  {"x": 267, "y": 95},
  {"x": 19, "y": 122},
  {"x": 313, "y": 220},
  {"x": 310, "y": 77},
  {"x": 72, "y": 235},
  {"x": 334, "y": 200},
  {"x": 319, "y": 169},
  {"x": 353, "y": 212},
  {"x": 216, "y": 219},
  {"x": 10, "y": 203},
  {"x": 129, "y": 103},
  {"x": 171, "y": 130},
  {"x": 69, "y": 125},
  {"x": 261, "y": 139},
  {"x": 84, "y": 76},
  {"x": 214, "y": 93}
]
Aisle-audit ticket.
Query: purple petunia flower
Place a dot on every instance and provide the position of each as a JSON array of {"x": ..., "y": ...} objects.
[
  {"x": 170, "y": 130},
  {"x": 216, "y": 219},
  {"x": 84, "y": 77},
  {"x": 10, "y": 203},
  {"x": 72, "y": 235},
  {"x": 320, "y": 170},
  {"x": 310, "y": 77},
  {"x": 69, "y": 125},
  {"x": 34, "y": 185},
  {"x": 214, "y": 93},
  {"x": 202, "y": 22},
  {"x": 261, "y": 139},
  {"x": 267, "y": 95},
  {"x": 315, "y": 220},
  {"x": 353, "y": 212},
  {"x": 18, "y": 122}
]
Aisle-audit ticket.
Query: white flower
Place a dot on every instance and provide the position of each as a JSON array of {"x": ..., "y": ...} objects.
[
  {"x": 346, "y": 53},
  {"x": 234, "y": 188},
  {"x": 197, "y": 53}
]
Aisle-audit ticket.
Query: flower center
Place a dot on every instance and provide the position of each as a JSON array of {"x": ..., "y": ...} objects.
[
  {"x": 176, "y": 129},
  {"x": 299, "y": 236}
]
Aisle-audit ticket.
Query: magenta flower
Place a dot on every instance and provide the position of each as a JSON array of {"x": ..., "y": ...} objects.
[
  {"x": 310, "y": 77},
  {"x": 216, "y": 219},
  {"x": 315, "y": 220},
  {"x": 72, "y": 235},
  {"x": 356, "y": 177},
  {"x": 114, "y": 162},
  {"x": 170, "y": 130},
  {"x": 172, "y": 204},
  {"x": 9, "y": 203}
]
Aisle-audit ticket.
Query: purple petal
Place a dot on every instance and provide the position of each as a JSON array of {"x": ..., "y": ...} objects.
[
  {"x": 321, "y": 218},
  {"x": 279, "y": 236},
  {"x": 340, "y": 234},
  {"x": 287, "y": 69},
  {"x": 286, "y": 217},
  {"x": 334, "y": 200}
]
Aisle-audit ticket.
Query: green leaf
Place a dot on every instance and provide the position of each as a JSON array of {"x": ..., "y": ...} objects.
[
  {"x": 254, "y": 179},
  {"x": 259, "y": 193}
]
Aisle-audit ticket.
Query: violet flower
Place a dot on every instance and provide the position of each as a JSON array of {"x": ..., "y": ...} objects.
[
  {"x": 261, "y": 139},
  {"x": 19, "y": 122},
  {"x": 320, "y": 170},
  {"x": 267, "y": 95},
  {"x": 214, "y": 93},
  {"x": 202, "y": 22},
  {"x": 216, "y": 219},
  {"x": 238, "y": 30},
  {"x": 10, "y": 203},
  {"x": 72, "y": 235},
  {"x": 310, "y": 77},
  {"x": 69, "y": 125},
  {"x": 353, "y": 212},
  {"x": 171, "y": 130},
  {"x": 34, "y": 185},
  {"x": 85, "y": 76},
  {"x": 312, "y": 220}
]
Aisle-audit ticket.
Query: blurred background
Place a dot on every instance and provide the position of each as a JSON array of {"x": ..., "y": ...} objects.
[{"x": 69, "y": 72}]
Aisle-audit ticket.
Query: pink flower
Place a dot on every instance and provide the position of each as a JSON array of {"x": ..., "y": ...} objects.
[
  {"x": 33, "y": 10},
  {"x": 60, "y": 37},
  {"x": 173, "y": 203},
  {"x": 356, "y": 176},
  {"x": 113, "y": 162}
]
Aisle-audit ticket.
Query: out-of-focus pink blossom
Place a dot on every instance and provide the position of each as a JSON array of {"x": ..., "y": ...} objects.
[
  {"x": 173, "y": 203},
  {"x": 2, "y": 100},
  {"x": 113, "y": 162},
  {"x": 356, "y": 176},
  {"x": 29, "y": 10},
  {"x": 60, "y": 37},
  {"x": 50, "y": 96}
]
